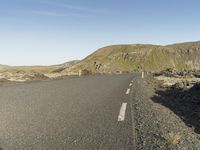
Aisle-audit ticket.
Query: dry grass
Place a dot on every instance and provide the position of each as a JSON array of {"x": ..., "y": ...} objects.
[{"x": 173, "y": 138}]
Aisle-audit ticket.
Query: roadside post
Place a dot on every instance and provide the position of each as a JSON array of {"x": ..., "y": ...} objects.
[
  {"x": 142, "y": 74},
  {"x": 80, "y": 73}
]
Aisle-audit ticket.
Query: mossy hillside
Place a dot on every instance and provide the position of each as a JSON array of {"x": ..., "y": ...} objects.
[
  {"x": 158, "y": 59},
  {"x": 150, "y": 57}
]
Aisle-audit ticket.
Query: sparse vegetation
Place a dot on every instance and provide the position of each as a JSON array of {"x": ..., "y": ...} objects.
[
  {"x": 150, "y": 57},
  {"x": 123, "y": 58},
  {"x": 173, "y": 138}
]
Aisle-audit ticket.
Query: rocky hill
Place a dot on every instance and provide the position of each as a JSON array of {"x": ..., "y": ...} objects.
[
  {"x": 27, "y": 73},
  {"x": 116, "y": 59},
  {"x": 119, "y": 58}
]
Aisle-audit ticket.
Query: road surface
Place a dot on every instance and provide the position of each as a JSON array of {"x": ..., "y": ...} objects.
[{"x": 80, "y": 113}]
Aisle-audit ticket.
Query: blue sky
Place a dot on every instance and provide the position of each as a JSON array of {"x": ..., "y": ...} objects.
[{"x": 44, "y": 32}]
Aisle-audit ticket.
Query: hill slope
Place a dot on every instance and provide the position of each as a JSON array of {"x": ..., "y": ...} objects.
[
  {"x": 150, "y": 57},
  {"x": 41, "y": 69},
  {"x": 2, "y": 67}
]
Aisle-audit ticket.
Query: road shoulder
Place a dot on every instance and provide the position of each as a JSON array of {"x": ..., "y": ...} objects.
[{"x": 156, "y": 126}]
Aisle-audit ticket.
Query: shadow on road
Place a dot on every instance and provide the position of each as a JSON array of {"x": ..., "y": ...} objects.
[{"x": 185, "y": 104}]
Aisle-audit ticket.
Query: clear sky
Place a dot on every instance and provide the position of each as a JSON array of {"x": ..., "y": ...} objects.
[{"x": 43, "y": 32}]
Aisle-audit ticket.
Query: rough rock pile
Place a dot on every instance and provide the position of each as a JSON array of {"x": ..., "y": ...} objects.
[
  {"x": 171, "y": 72},
  {"x": 21, "y": 76},
  {"x": 181, "y": 85},
  {"x": 34, "y": 75}
]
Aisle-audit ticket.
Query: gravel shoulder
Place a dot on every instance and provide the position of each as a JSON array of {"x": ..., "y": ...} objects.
[{"x": 158, "y": 126}]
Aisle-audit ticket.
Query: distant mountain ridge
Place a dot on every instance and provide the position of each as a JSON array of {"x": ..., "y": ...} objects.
[
  {"x": 150, "y": 57},
  {"x": 27, "y": 73},
  {"x": 3, "y": 66},
  {"x": 42, "y": 69}
]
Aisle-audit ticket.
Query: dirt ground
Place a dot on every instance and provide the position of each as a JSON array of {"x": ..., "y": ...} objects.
[{"x": 165, "y": 118}]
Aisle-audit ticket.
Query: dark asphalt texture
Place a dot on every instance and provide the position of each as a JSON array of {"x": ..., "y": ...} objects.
[{"x": 77, "y": 113}]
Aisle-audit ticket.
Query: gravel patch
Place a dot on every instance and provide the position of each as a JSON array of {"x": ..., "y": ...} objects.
[{"x": 157, "y": 125}]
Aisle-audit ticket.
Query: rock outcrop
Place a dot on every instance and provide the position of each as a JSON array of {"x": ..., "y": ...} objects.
[{"x": 149, "y": 57}]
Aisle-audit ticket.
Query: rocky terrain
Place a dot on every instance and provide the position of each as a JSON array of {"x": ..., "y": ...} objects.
[
  {"x": 179, "y": 91},
  {"x": 123, "y": 58},
  {"x": 166, "y": 117},
  {"x": 21, "y": 76},
  {"x": 118, "y": 59},
  {"x": 179, "y": 79},
  {"x": 168, "y": 112},
  {"x": 28, "y": 73}
]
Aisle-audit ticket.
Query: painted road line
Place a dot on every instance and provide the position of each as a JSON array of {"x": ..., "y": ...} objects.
[
  {"x": 130, "y": 84},
  {"x": 122, "y": 112},
  {"x": 128, "y": 91}
]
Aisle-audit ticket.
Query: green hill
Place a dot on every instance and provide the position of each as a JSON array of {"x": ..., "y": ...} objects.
[{"x": 150, "y": 57}]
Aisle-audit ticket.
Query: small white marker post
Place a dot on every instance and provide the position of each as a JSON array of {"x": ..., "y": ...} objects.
[
  {"x": 128, "y": 91},
  {"x": 142, "y": 74},
  {"x": 122, "y": 112},
  {"x": 80, "y": 73}
]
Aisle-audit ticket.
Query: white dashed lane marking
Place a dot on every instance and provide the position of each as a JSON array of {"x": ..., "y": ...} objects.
[{"x": 122, "y": 112}]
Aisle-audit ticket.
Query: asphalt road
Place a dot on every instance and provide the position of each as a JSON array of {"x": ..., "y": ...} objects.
[{"x": 72, "y": 114}]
